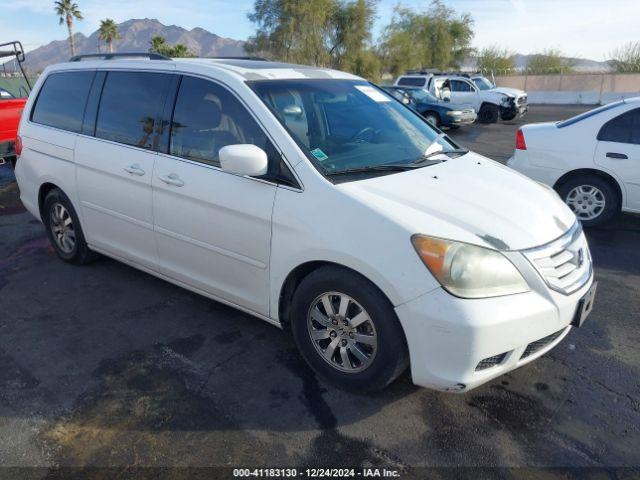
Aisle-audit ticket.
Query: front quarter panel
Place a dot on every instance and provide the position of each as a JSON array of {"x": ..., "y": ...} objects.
[{"x": 324, "y": 224}]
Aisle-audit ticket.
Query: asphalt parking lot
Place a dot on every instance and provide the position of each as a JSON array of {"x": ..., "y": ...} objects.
[{"x": 107, "y": 366}]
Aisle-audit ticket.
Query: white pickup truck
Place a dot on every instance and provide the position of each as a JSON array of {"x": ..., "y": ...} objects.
[{"x": 491, "y": 102}]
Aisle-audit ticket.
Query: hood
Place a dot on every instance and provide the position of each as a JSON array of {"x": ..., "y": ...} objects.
[
  {"x": 512, "y": 92},
  {"x": 470, "y": 199}
]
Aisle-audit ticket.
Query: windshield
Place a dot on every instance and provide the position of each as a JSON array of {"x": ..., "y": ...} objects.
[
  {"x": 483, "y": 83},
  {"x": 345, "y": 124},
  {"x": 420, "y": 95}
]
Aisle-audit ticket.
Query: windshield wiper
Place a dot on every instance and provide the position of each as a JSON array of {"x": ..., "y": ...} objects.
[
  {"x": 390, "y": 167},
  {"x": 422, "y": 159}
]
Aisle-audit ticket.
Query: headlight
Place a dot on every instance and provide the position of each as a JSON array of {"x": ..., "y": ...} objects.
[
  {"x": 506, "y": 100},
  {"x": 454, "y": 113},
  {"x": 467, "y": 270}
]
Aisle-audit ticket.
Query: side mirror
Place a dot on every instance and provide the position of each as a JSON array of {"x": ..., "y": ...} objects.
[{"x": 243, "y": 159}]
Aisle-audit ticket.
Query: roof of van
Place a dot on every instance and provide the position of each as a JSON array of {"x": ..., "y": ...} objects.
[
  {"x": 266, "y": 70},
  {"x": 246, "y": 69}
]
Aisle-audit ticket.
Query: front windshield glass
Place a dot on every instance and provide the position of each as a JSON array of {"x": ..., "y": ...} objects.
[
  {"x": 345, "y": 124},
  {"x": 483, "y": 84},
  {"x": 420, "y": 95}
]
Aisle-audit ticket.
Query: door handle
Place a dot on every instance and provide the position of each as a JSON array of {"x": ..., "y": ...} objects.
[
  {"x": 134, "y": 170},
  {"x": 621, "y": 156},
  {"x": 172, "y": 179}
]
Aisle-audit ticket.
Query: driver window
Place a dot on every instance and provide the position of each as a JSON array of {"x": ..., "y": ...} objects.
[
  {"x": 208, "y": 117},
  {"x": 460, "y": 86}
]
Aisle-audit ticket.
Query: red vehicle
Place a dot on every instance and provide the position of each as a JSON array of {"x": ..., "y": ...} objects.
[{"x": 11, "y": 106}]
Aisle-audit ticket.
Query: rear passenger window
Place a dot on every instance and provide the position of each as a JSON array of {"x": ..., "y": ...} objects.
[
  {"x": 208, "y": 117},
  {"x": 130, "y": 106},
  {"x": 62, "y": 99},
  {"x": 412, "y": 81},
  {"x": 624, "y": 128}
]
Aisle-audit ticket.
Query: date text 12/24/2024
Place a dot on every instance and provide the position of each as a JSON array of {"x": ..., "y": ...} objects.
[{"x": 316, "y": 473}]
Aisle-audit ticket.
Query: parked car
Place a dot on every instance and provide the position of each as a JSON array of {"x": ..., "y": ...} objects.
[
  {"x": 491, "y": 102},
  {"x": 437, "y": 112},
  {"x": 310, "y": 199},
  {"x": 591, "y": 160},
  {"x": 11, "y": 107}
]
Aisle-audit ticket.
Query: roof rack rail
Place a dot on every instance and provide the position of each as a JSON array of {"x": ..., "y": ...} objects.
[
  {"x": 459, "y": 74},
  {"x": 261, "y": 59},
  {"x": 421, "y": 71},
  {"x": 112, "y": 56}
]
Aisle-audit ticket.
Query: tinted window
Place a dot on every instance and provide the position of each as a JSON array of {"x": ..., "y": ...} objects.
[
  {"x": 62, "y": 99},
  {"x": 460, "y": 86},
  {"x": 208, "y": 117},
  {"x": 624, "y": 128},
  {"x": 412, "y": 81},
  {"x": 130, "y": 106}
]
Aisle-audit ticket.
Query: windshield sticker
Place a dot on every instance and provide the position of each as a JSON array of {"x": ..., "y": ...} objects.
[
  {"x": 319, "y": 154},
  {"x": 372, "y": 93}
]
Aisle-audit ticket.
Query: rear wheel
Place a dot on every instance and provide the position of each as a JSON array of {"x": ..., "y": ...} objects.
[
  {"x": 64, "y": 230},
  {"x": 488, "y": 113},
  {"x": 593, "y": 199},
  {"x": 347, "y": 331}
]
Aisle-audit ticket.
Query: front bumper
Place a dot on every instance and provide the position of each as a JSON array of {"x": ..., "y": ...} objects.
[
  {"x": 466, "y": 118},
  {"x": 448, "y": 337},
  {"x": 513, "y": 109}
]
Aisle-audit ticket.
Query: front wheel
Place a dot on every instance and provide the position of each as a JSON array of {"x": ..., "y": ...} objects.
[
  {"x": 593, "y": 199},
  {"x": 347, "y": 331},
  {"x": 488, "y": 113}
]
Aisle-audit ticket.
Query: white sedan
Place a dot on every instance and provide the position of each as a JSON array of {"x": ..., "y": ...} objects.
[{"x": 591, "y": 160}]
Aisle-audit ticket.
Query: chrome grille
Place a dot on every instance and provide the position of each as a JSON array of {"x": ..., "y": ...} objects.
[
  {"x": 565, "y": 263},
  {"x": 538, "y": 345}
]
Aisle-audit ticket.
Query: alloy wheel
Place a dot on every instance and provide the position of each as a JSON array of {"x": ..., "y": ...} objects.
[
  {"x": 62, "y": 228},
  {"x": 342, "y": 332}
]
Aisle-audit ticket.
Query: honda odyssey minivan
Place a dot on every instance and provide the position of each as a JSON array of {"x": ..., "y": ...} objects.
[{"x": 312, "y": 200}]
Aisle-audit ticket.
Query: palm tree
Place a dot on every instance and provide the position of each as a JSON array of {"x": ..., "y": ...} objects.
[
  {"x": 67, "y": 11},
  {"x": 158, "y": 44},
  {"x": 109, "y": 32}
]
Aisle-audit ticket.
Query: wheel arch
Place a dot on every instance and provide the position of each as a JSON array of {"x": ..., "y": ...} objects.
[
  {"x": 299, "y": 273},
  {"x": 43, "y": 191},
  {"x": 592, "y": 171}
]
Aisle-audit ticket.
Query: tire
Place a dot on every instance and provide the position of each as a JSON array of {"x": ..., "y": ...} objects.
[
  {"x": 63, "y": 229},
  {"x": 372, "y": 364},
  {"x": 488, "y": 113},
  {"x": 578, "y": 191},
  {"x": 433, "y": 118}
]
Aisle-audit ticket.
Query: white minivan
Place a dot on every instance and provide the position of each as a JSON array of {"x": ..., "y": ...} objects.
[{"x": 313, "y": 200}]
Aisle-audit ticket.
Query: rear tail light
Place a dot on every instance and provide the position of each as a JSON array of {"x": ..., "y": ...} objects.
[
  {"x": 18, "y": 145},
  {"x": 520, "y": 143}
]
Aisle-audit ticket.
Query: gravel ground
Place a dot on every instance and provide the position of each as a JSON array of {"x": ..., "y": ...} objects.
[{"x": 106, "y": 366}]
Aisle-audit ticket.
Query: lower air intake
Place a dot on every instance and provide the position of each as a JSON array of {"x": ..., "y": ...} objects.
[
  {"x": 538, "y": 345},
  {"x": 490, "y": 362}
]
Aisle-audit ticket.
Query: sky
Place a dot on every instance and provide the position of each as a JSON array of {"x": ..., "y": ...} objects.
[{"x": 580, "y": 28}]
